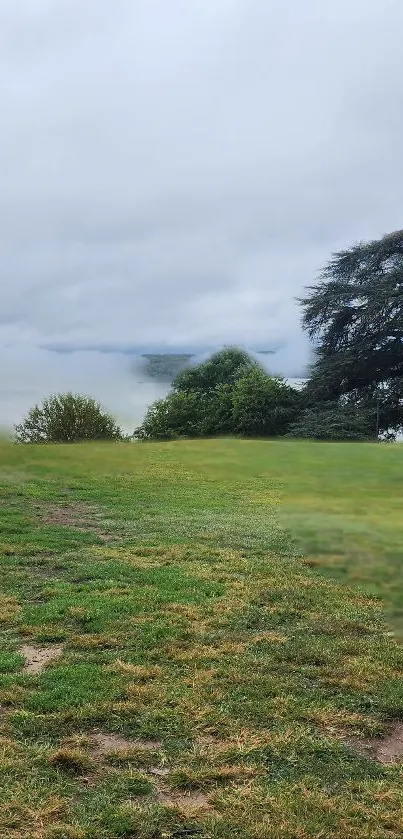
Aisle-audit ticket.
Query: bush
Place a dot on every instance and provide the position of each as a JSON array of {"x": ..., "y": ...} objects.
[
  {"x": 334, "y": 421},
  {"x": 67, "y": 418}
]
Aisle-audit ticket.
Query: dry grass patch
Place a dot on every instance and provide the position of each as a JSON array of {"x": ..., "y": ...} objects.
[
  {"x": 102, "y": 641},
  {"x": 24, "y": 821},
  {"x": 9, "y": 609},
  {"x": 334, "y": 721},
  {"x": 199, "y": 652},
  {"x": 210, "y": 777},
  {"x": 71, "y": 761},
  {"x": 140, "y": 672}
]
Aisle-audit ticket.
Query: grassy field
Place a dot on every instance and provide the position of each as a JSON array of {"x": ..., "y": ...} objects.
[{"x": 171, "y": 666}]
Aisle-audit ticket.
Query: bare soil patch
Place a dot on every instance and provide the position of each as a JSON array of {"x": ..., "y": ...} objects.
[
  {"x": 192, "y": 800},
  {"x": 36, "y": 658},
  {"x": 82, "y": 517},
  {"x": 159, "y": 771},
  {"x": 105, "y": 743},
  {"x": 385, "y": 749}
]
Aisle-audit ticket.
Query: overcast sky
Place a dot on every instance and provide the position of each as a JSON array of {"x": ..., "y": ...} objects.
[{"x": 173, "y": 172}]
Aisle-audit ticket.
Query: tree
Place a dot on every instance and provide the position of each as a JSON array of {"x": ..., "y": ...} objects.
[
  {"x": 222, "y": 368},
  {"x": 334, "y": 421},
  {"x": 355, "y": 316},
  {"x": 67, "y": 418},
  {"x": 230, "y": 393},
  {"x": 263, "y": 406},
  {"x": 178, "y": 415}
]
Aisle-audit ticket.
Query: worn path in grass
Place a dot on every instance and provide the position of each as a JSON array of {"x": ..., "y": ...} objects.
[{"x": 170, "y": 667}]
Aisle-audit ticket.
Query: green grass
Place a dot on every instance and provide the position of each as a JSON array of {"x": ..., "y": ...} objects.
[{"x": 238, "y": 670}]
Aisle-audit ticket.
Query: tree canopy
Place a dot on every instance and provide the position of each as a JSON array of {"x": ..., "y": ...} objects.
[
  {"x": 334, "y": 421},
  {"x": 355, "y": 316},
  {"x": 229, "y": 393},
  {"x": 222, "y": 368}
]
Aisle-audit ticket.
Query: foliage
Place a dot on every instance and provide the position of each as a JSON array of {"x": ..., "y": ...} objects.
[
  {"x": 175, "y": 416},
  {"x": 216, "y": 416},
  {"x": 188, "y": 414},
  {"x": 355, "y": 314},
  {"x": 335, "y": 421},
  {"x": 67, "y": 418},
  {"x": 228, "y": 394},
  {"x": 222, "y": 368},
  {"x": 263, "y": 406}
]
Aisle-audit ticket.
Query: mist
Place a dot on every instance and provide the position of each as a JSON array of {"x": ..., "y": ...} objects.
[{"x": 117, "y": 380}]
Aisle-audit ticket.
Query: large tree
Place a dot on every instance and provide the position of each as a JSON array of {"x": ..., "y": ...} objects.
[
  {"x": 224, "y": 367},
  {"x": 355, "y": 316},
  {"x": 230, "y": 393}
]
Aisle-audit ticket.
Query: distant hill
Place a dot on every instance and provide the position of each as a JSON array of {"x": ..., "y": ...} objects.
[{"x": 165, "y": 366}]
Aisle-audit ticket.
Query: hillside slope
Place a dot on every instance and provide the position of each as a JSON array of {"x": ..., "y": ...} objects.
[{"x": 171, "y": 667}]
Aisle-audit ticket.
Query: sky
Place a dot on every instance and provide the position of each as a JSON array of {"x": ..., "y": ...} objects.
[{"x": 175, "y": 172}]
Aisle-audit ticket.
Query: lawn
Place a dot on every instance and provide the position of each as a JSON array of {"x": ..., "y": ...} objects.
[{"x": 171, "y": 666}]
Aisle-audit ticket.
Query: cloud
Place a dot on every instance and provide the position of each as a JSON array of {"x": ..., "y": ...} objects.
[{"x": 174, "y": 173}]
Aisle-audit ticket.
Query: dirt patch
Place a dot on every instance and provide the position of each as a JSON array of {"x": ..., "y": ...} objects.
[
  {"x": 105, "y": 743},
  {"x": 159, "y": 771},
  {"x": 189, "y": 801},
  {"x": 386, "y": 749},
  {"x": 82, "y": 517},
  {"x": 36, "y": 658},
  {"x": 66, "y": 514}
]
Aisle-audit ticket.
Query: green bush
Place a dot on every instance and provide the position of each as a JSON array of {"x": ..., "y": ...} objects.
[{"x": 67, "y": 418}]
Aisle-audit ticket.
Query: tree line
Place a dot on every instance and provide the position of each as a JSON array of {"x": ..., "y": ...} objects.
[{"x": 353, "y": 315}]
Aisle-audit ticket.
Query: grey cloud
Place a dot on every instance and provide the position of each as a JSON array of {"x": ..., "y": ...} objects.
[{"x": 174, "y": 173}]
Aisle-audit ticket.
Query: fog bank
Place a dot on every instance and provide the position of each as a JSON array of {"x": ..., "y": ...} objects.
[{"x": 118, "y": 381}]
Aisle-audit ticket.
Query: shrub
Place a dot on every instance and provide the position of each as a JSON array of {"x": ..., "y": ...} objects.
[{"x": 67, "y": 418}]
